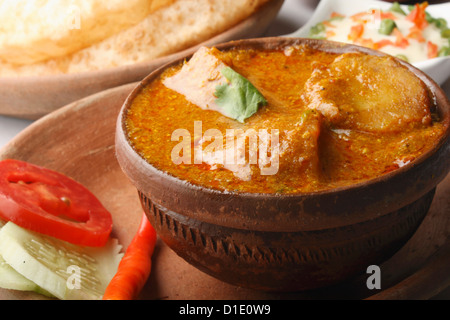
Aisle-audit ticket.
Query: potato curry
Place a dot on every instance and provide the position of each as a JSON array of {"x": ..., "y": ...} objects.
[{"x": 335, "y": 118}]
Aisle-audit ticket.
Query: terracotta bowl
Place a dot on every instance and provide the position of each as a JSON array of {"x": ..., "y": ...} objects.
[{"x": 279, "y": 242}]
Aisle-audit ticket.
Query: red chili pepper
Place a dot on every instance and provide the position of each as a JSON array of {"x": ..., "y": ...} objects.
[{"x": 135, "y": 266}]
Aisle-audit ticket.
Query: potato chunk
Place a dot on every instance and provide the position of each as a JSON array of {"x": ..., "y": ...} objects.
[
  {"x": 299, "y": 147},
  {"x": 369, "y": 93}
]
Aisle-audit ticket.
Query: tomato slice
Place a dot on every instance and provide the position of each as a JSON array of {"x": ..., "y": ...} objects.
[{"x": 48, "y": 202}]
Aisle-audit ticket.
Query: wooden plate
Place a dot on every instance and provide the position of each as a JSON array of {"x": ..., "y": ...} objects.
[
  {"x": 78, "y": 140},
  {"x": 33, "y": 97}
]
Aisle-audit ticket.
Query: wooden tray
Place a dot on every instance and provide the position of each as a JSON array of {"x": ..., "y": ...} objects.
[
  {"x": 78, "y": 140},
  {"x": 34, "y": 97}
]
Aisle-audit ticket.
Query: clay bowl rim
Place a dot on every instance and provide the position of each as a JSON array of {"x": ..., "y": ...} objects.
[{"x": 442, "y": 103}]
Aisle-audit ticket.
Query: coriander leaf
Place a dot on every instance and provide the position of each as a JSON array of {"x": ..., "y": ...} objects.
[
  {"x": 317, "y": 29},
  {"x": 238, "y": 98},
  {"x": 397, "y": 8}
]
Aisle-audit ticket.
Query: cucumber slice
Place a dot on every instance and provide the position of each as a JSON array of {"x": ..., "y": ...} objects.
[
  {"x": 11, "y": 279},
  {"x": 62, "y": 269}
]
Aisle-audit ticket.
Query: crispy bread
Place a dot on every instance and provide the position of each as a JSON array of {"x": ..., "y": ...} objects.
[
  {"x": 169, "y": 28},
  {"x": 37, "y": 30}
]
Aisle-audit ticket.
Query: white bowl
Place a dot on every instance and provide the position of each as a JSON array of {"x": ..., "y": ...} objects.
[{"x": 438, "y": 68}]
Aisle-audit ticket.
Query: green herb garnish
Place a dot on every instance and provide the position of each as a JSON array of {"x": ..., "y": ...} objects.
[
  {"x": 317, "y": 29},
  {"x": 429, "y": 17},
  {"x": 238, "y": 98},
  {"x": 441, "y": 23},
  {"x": 444, "y": 51},
  {"x": 397, "y": 8},
  {"x": 387, "y": 26},
  {"x": 403, "y": 57},
  {"x": 445, "y": 33}
]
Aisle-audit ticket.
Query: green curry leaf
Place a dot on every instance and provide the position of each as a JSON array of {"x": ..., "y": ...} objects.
[{"x": 238, "y": 98}]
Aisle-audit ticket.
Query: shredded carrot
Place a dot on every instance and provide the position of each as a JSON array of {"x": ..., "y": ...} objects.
[
  {"x": 356, "y": 32},
  {"x": 359, "y": 17},
  {"x": 368, "y": 43},
  {"x": 417, "y": 34},
  {"x": 328, "y": 24},
  {"x": 383, "y": 43},
  {"x": 330, "y": 34},
  {"x": 432, "y": 50},
  {"x": 400, "y": 40},
  {"x": 418, "y": 15},
  {"x": 335, "y": 14},
  {"x": 387, "y": 15},
  {"x": 135, "y": 266}
]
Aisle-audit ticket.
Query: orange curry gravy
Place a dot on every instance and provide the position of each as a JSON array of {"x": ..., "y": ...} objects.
[{"x": 342, "y": 119}]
